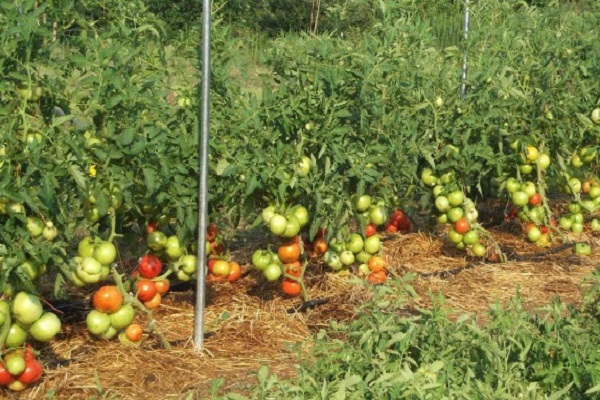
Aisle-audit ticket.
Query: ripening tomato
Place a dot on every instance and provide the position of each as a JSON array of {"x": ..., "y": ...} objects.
[
  {"x": 221, "y": 268},
  {"x": 377, "y": 263},
  {"x": 462, "y": 226},
  {"x": 149, "y": 266},
  {"x": 235, "y": 271},
  {"x": 154, "y": 302},
  {"x": 377, "y": 277},
  {"x": 535, "y": 199},
  {"x": 289, "y": 252},
  {"x": 294, "y": 269},
  {"x": 291, "y": 287},
  {"x": 146, "y": 290},
  {"x": 211, "y": 232},
  {"x": 320, "y": 246},
  {"x": 134, "y": 332},
  {"x": 162, "y": 286},
  {"x": 107, "y": 299},
  {"x": 33, "y": 369},
  {"x": 151, "y": 227}
]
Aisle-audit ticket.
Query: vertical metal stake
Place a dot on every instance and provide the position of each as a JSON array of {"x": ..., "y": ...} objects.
[
  {"x": 203, "y": 178},
  {"x": 463, "y": 86}
]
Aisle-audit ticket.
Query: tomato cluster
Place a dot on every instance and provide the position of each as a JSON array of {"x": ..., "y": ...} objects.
[
  {"x": 286, "y": 224},
  {"x": 111, "y": 313},
  {"x": 19, "y": 369},
  {"x": 26, "y": 318},
  {"x": 92, "y": 262},
  {"x": 219, "y": 268},
  {"x": 456, "y": 210}
]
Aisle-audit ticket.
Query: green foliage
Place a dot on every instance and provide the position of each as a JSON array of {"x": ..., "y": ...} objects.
[{"x": 393, "y": 352}]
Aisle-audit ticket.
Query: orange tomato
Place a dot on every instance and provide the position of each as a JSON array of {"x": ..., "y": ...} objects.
[
  {"x": 377, "y": 263},
  {"x": 291, "y": 287},
  {"x": 134, "y": 332},
  {"x": 377, "y": 277},
  {"x": 462, "y": 226},
  {"x": 153, "y": 303},
  {"x": 289, "y": 252},
  {"x": 235, "y": 271},
  {"x": 391, "y": 228},
  {"x": 320, "y": 246},
  {"x": 162, "y": 286},
  {"x": 107, "y": 299},
  {"x": 294, "y": 269}
]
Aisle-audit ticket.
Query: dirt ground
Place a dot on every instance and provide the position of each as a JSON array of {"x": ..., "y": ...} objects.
[{"x": 248, "y": 323}]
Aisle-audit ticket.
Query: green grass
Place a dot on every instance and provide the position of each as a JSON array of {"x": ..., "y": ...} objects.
[{"x": 390, "y": 352}]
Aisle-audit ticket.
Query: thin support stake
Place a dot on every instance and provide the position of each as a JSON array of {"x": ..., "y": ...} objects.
[
  {"x": 203, "y": 178},
  {"x": 463, "y": 86}
]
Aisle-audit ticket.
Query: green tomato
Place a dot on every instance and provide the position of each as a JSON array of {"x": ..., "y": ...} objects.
[
  {"x": 377, "y": 215},
  {"x": 347, "y": 258},
  {"x": 471, "y": 237},
  {"x": 454, "y": 236},
  {"x": 46, "y": 327},
  {"x": 35, "y": 226},
  {"x": 122, "y": 317},
  {"x": 26, "y": 308},
  {"x": 173, "y": 249},
  {"x": 50, "y": 232},
  {"x": 519, "y": 198},
  {"x": 189, "y": 264},
  {"x": 16, "y": 336},
  {"x": 272, "y": 272},
  {"x": 261, "y": 259},
  {"x": 442, "y": 204},
  {"x": 156, "y": 241},
  {"x": 92, "y": 214},
  {"x": 15, "y": 364},
  {"x": 278, "y": 224},
  {"x": 455, "y": 213},
  {"x": 512, "y": 185},
  {"x": 332, "y": 259},
  {"x": 456, "y": 198},
  {"x": 479, "y": 250},
  {"x": 105, "y": 253},
  {"x": 355, "y": 243},
  {"x": 372, "y": 244},
  {"x": 301, "y": 213},
  {"x": 292, "y": 226},
  {"x": 361, "y": 203},
  {"x": 97, "y": 322}
]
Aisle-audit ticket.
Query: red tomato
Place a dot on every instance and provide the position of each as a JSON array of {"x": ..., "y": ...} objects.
[
  {"x": 5, "y": 376},
  {"x": 391, "y": 228},
  {"x": 149, "y": 266},
  {"x": 404, "y": 225},
  {"x": 535, "y": 199},
  {"x": 146, "y": 290},
  {"x": 370, "y": 230},
  {"x": 291, "y": 287},
  {"x": 211, "y": 232},
  {"x": 33, "y": 369},
  {"x": 151, "y": 227},
  {"x": 462, "y": 226}
]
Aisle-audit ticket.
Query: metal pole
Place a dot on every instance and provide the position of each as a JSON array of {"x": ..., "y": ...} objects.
[
  {"x": 203, "y": 178},
  {"x": 463, "y": 87}
]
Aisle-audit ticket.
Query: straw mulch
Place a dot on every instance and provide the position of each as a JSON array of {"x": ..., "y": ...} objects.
[{"x": 248, "y": 324}]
